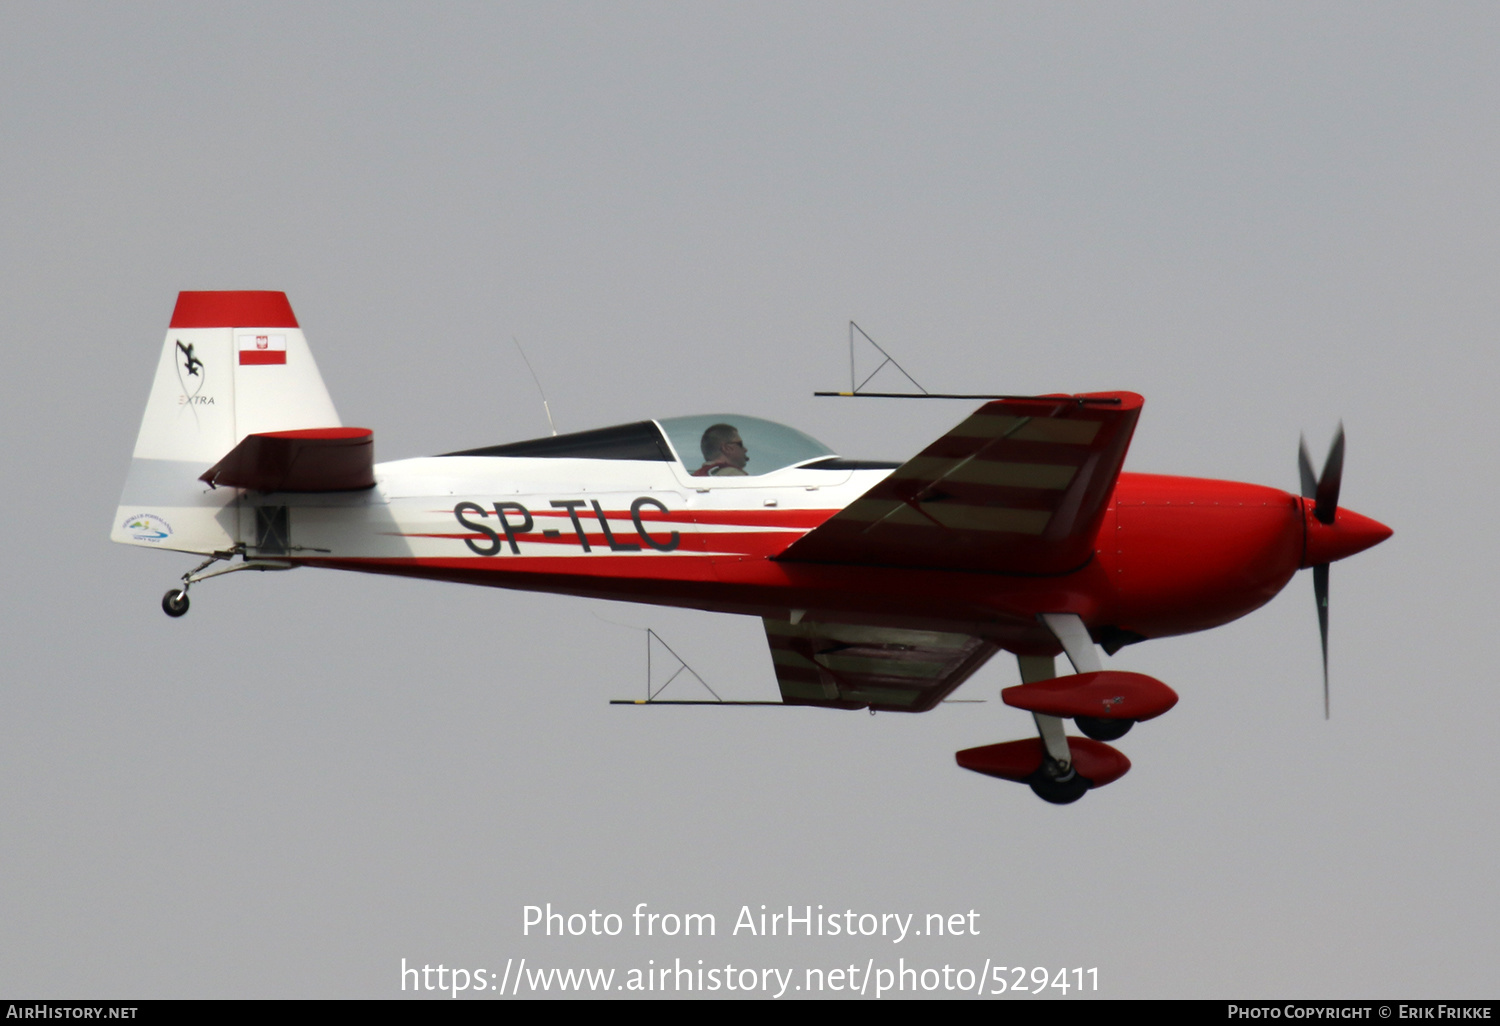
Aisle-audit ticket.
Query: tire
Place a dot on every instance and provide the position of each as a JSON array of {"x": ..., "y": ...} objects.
[
  {"x": 1058, "y": 791},
  {"x": 1103, "y": 730},
  {"x": 174, "y": 602}
]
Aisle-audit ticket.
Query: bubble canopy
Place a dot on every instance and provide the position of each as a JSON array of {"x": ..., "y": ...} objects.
[
  {"x": 706, "y": 444},
  {"x": 740, "y": 446}
]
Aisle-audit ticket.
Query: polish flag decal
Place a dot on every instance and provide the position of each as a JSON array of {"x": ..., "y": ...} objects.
[{"x": 262, "y": 349}]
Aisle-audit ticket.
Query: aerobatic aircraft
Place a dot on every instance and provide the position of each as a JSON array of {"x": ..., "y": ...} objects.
[{"x": 881, "y": 586}]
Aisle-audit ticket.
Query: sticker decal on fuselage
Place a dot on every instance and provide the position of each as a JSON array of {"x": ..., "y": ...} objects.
[{"x": 512, "y": 520}]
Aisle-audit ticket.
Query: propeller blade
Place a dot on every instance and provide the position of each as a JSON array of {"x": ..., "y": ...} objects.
[
  {"x": 1304, "y": 465},
  {"x": 1320, "y": 593},
  {"x": 1331, "y": 479},
  {"x": 1323, "y": 492}
]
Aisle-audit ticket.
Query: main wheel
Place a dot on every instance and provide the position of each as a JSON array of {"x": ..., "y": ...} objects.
[
  {"x": 1103, "y": 730},
  {"x": 1058, "y": 790},
  {"x": 174, "y": 602}
]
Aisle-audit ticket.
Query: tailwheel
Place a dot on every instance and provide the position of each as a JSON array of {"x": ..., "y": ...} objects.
[
  {"x": 1063, "y": 788},
  {"x": 175, "y": 602},
  {"x": 1102, "y": 729}
]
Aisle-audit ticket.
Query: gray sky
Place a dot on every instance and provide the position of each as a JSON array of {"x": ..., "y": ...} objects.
[{"x": 1263, "y": 217}]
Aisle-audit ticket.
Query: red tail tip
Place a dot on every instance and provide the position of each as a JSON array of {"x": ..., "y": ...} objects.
[{"x": 233, "y": 310}]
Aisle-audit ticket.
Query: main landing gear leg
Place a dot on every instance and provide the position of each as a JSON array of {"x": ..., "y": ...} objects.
[
  {"x": 1058, "y": 768},
  {"x": 1070, "y": 631},
  {"x": 1055, "y": 780}
]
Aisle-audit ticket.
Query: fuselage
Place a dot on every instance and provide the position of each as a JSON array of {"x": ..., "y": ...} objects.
[{"x": 1173, "y": 555}]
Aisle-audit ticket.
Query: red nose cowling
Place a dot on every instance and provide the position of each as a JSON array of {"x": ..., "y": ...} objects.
[{"x": 1349, "y": 533}]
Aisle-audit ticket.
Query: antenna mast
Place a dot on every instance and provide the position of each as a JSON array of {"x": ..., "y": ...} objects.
[{"x": 536, "y": 381}]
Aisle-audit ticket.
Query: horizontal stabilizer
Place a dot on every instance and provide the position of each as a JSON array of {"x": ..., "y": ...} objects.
[
  {"x": 1103, "y": 694},
  {"x": 1018, "y": 760},
  {"x": 337, "y": 459}
]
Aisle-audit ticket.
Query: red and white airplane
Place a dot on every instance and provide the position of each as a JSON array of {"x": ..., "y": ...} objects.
[{"x": 880, "y": 585}]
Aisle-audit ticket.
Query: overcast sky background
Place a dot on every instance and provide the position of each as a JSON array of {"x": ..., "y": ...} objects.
[{"x": 1264, "y": 217}]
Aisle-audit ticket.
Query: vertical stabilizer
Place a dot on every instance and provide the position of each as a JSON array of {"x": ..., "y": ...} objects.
[{"x": 233, "y": 364}]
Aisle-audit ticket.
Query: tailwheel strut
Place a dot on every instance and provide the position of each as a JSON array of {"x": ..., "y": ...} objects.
[{"x": 175, "y": 602}]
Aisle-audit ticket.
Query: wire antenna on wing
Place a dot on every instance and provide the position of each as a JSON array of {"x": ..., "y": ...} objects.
[
  {"x": 854, "y": 389},
  {"x": 537, "y": 381}
]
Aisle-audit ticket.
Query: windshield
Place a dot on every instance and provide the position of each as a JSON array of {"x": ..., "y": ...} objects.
[{"x": 733, "y": 445}]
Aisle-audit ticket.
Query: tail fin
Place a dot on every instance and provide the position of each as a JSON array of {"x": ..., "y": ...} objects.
[{"x": 233, "y": 364}]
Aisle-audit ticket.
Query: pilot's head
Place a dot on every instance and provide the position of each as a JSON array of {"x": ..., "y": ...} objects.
[{"x": 723, "y": 442}]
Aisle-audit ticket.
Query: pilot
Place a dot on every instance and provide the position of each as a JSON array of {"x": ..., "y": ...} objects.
[{"x": 724, "y": 453}]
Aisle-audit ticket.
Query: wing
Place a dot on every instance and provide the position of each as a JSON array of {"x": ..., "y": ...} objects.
[
  {"x": 313, "y": 460},
  {"x": 1021, "y": 486},
  {"x": 851, "y": 666}
]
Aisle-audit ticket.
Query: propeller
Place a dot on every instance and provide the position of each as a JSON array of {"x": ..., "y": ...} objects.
[{"x": 1323, "y": 491}]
